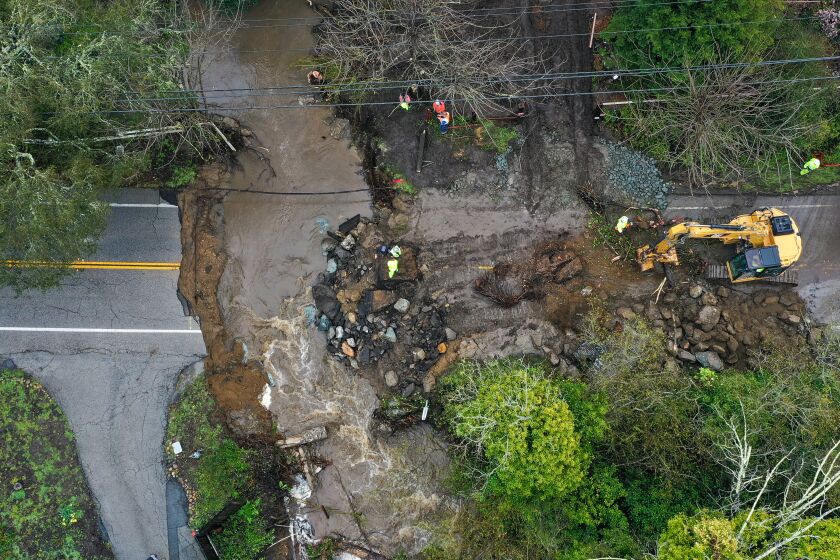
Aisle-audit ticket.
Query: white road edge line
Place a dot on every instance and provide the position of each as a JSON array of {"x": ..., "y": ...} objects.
[
  {"x": 85, "y": 330},
  {"x": 162, "y": 205},
  {"x": 723, "y": 207}
]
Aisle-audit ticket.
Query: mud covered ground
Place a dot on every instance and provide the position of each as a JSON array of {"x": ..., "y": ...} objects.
[{"x": 250, "y": 261}]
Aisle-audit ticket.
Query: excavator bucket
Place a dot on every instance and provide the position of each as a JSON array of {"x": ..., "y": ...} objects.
[{"x": 644, "y": 258}]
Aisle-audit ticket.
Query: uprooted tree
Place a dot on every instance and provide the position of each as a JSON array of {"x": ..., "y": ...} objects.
[{"x": 456, "y": 54}]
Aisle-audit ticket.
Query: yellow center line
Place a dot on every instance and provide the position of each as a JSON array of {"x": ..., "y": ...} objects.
[{"x": 99, "y": 265}]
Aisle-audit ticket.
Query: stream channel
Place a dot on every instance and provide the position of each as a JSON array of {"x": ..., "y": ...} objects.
[{"x": 375, "y": 487}]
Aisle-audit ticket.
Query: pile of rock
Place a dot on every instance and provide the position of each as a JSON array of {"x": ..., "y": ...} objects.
[
  {"x": 367, "y": 315},
  {"x": 633, "y": 177},
  {"x": 718, "y": 327}
]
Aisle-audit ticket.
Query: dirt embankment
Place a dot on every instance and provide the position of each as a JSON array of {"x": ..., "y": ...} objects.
[{"x": 235, "y": 385}]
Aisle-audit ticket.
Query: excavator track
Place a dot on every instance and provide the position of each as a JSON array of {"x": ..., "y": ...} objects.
[{"x": 787, "y": 278}]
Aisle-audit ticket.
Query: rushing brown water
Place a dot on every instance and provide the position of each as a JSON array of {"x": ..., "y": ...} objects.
[
  {"x": 272, "y": 241},
  {"x": 371, "y": 490}
]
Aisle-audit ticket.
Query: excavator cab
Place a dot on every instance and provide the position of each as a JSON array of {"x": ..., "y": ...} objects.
[{"x": 763, "y": 262}]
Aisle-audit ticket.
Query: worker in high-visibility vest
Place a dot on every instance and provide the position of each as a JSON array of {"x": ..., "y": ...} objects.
[
  {"x": 405, "y": 100},
  {"x": 811, "y": 165},
  {"x": 622, "y": 224},
  {"x": 393, "y": 267}
]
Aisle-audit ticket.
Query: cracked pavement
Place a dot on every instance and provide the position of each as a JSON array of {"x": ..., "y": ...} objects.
[{"x": 115, "y": 387}]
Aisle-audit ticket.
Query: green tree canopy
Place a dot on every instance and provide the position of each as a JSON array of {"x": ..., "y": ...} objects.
[
  {"x": 65, "y": 66},
  {"x": 703, "y": 31},
  {"x": 518, "y": 420}
]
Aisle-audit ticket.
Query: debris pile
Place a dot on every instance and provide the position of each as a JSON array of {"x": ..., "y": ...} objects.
[
  {"x": 509, "y": 283},
  {"x": 718, "y": 327},
  {"x": 368, "y": 313}
]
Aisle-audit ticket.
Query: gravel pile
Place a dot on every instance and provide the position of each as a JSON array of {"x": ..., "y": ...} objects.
[{"x": 636, "y": 175}]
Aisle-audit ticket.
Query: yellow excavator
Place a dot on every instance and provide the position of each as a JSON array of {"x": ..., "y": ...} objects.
[{"x": 767, "y": 243}]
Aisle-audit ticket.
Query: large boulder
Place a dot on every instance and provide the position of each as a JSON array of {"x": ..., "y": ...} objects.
[
  {"x": 708, "y": 317},
  {"x": 326, "y": 301},
  {"x": 709, "y": 359}
]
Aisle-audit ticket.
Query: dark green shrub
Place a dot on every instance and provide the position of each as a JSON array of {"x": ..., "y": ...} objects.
[
  {"x": 689, "y": 46},
  {"x": 245, "y": 535}
]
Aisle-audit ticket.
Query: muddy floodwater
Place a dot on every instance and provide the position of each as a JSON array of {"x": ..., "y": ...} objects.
[
  {"x": 273, "y": 241},
  {"x": 273, "y": 253}
]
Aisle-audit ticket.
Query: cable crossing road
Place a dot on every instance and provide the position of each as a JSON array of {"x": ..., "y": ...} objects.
[{"x": 109, "y": 344}]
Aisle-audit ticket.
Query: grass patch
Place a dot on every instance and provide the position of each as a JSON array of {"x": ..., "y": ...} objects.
[
  {"x": 222, "y": 472},
  {"x": 485, "y": 134},
  {"x": 46, "y": 511},
  {"x": 245, "y": 535}
]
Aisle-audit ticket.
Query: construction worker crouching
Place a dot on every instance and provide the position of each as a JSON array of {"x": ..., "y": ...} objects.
[
  {"x": 811, "y": 165},
  {"x": 393, "y": 263},
  {"x": 622, "y": 224}
]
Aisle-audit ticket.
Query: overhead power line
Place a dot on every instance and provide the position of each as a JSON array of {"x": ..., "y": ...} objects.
[
  {"x": 492, "y": 98},
  {"x": 595, "y": 5},
  {"x": 302, "y": 89}
]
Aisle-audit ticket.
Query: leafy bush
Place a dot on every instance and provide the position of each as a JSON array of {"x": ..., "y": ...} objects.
[
  {"x": 182, "y": 175},
  {"x": 516, "y": 420},
  {"x": 245, "y": 535},
  {"x": 704, "y": 536},
  {"x": 713, "y": 30},
  {"x": 530, "y": 440},
  {"x": 45, "y": 507}
]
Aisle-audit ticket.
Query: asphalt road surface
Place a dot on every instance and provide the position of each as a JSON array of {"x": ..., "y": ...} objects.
[
  {"x": 818, "y": 217},
  {"x": 109, "y": 345}
]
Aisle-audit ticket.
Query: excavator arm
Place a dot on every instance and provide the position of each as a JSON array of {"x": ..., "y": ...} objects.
[{"x": 665, "y": 251}]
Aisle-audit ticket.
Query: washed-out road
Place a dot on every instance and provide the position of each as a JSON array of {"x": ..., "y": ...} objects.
[
  {"x": 818, "y": 217},
  {"x": 109, "y": 345}
]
